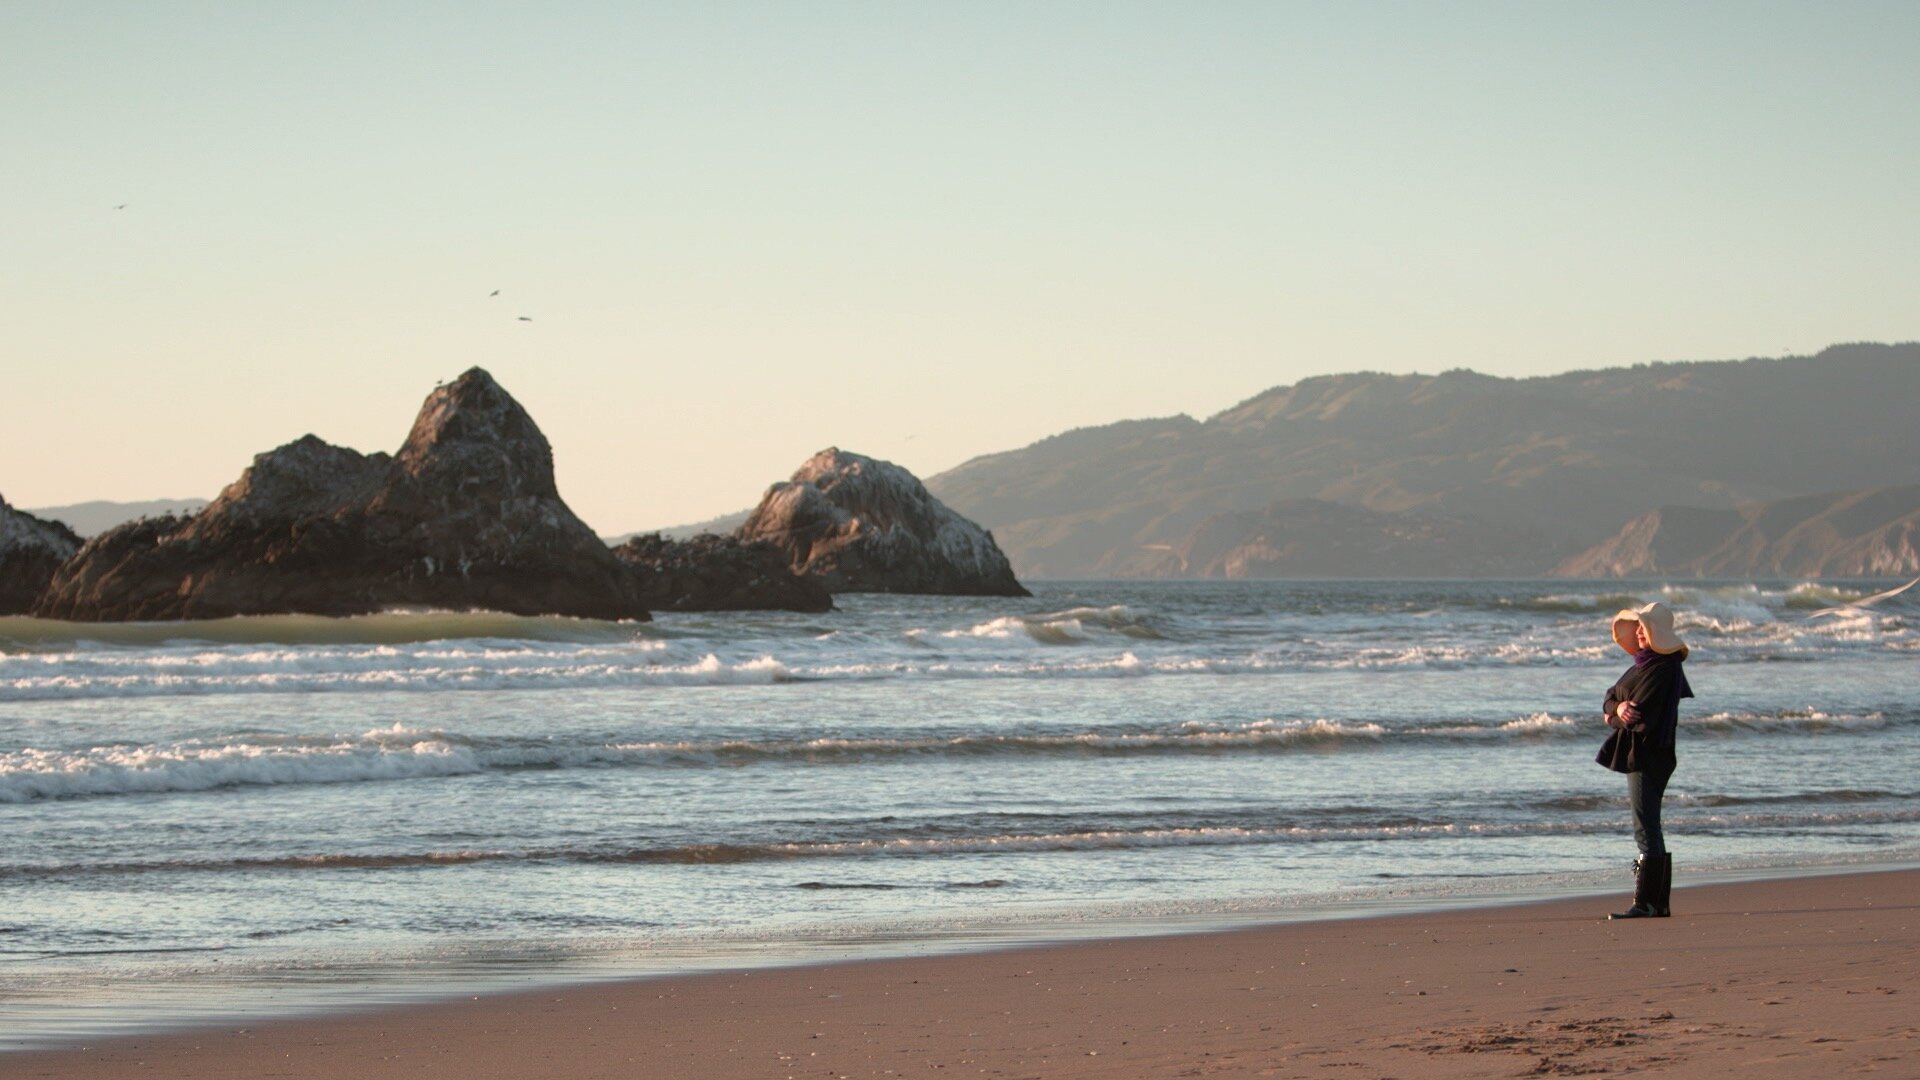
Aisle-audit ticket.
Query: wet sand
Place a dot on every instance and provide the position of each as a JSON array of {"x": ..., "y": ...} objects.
[{"x": 1788, "y": 978}]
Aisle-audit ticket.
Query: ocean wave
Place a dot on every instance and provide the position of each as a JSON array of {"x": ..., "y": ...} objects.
[
  {"x": 383, "y": 754},
  {"x": 1579, "y": 803},
  {"x": 1725, "y": 608},
  {"x": 1842, "y": 795},
  {"x": 1700, "y": 820},
  {"x": 1704, "y": 816},
  {"x": 1590, "y": 803},
  {"x": 1817, "y": 594},
  {"x": 1045, "y": 631},
  {"x": 1078, "y": 625},
  {"x": 1788, "y": 720},
  {"x": 1189, "y": 737},
  {"x": 1031, "y": 648},
  {"x": 173, "y": 676},
  {"x": 408, "y": 754},
  {"x": 729, "y": 853},
  {"x": 1571, "y": 603},
  {"x": 400, "y": 753}
]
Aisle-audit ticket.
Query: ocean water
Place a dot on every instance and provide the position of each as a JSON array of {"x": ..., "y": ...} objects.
[{"x": 296, "y": 811}]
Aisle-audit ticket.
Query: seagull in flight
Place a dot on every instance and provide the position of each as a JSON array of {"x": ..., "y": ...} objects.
[
  {"x": 495, "y": 292},
  {"x": 120, "y": 206},
  {"x": 1865, "y": 602},
  {"x": 526, "y": 318}
]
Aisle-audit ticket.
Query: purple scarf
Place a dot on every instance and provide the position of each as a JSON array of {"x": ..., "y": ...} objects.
[{"x": 1644, "y": 657}]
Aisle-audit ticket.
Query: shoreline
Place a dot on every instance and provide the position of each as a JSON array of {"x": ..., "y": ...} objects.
[
  {"x": 85, "y": 1007},
  {"x": 1542, "y": 984}
]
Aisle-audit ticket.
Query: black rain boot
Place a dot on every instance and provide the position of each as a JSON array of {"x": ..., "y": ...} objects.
[
  {"x": 1663, "y": 883},
  {"x": 1646, "y": 889}
]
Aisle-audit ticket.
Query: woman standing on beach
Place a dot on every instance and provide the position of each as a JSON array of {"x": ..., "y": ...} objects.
[{"x": 1643, "y": 709}]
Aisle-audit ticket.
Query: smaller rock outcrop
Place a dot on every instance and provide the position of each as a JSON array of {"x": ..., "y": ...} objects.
[
  {"x": 464, "y": 517},
  {"x": 858, "y": 524},
  {"x": 30, "y": 551},
  {"x": 718, "y": 573}
]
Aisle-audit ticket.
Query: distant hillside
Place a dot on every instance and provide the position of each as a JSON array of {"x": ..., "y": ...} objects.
[
  {"x": 93, "y": 518},
  {"x": 1297, "y": 538},
  {"x": 1872, "y": 533},
  {"x": 719, "y": 526},
  {"x": 1565, "y": 458}
]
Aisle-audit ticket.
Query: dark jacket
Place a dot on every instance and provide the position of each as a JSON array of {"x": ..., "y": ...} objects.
[{"x": 1656, "y": 687}]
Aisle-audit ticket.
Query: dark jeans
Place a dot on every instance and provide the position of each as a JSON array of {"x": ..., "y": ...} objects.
[{"x": 1644, "y": 789}]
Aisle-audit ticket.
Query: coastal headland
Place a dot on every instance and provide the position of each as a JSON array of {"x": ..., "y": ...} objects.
[{"x": 1775, "y": 978}]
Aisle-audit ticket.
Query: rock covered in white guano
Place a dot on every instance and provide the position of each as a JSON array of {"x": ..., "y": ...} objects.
[
  {"x": 464, "y": 517},
  {"x": 30, "y": 551},
  {"x": 859, "y": 524}
]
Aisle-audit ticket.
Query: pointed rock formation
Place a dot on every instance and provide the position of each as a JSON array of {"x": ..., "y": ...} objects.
[
  {"x": 859, "y": 524},
  {"x": 30, "y": 551},
  {"x": 466, "y": 516},
  {"x": 718, "y": 573}
]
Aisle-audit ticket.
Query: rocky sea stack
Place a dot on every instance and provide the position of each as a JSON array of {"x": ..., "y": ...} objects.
[
  {"x": 858, "y": 524},
  {"x": 31, "y": 550},
  {"x": 464, "y": 517},
  {"x": 718, "y": 573}
]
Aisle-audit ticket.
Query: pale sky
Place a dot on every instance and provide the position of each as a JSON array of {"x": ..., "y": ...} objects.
[{"x": 745, "y": 232}]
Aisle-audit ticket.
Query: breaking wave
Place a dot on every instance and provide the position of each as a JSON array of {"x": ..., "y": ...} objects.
[
  {"x": 401, "y": 753},
  {"x": 1794, "y": 720},
  {"x": 376, "y": 669},
  {"x": 1077, "y": 625},
  {"x": 910, "y": 847},
  {"x": 41, "y": 660}
]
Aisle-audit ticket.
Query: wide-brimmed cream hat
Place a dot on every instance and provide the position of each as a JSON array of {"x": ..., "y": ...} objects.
[{"x": 1657, "y": 618}]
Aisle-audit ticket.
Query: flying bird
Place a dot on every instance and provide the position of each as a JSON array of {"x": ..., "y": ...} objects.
[
  {"x": 526, "y": 318},
  {"x": 495, "y": 292},
  {"x": 120, "y": 206},
  {"x": 1866, "y": 602}
]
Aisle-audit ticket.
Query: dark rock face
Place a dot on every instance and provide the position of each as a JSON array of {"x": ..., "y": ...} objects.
[
  {"x": 30, "y": 551},
  {"x": 718, "y": 573},
  {"x": 858, "y": 524},
  {"x": 466, "y": 516}
]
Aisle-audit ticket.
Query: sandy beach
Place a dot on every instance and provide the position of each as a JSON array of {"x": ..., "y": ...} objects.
[{"x": 1779, "y": 978}]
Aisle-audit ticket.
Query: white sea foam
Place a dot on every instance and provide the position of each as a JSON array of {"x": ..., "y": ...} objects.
[
  {"x": 1047, "y": 631},
  {"x": 1079, "y": 625},
  {"x": 1221, "y": 836},
  {"x": 172, "y": 672},
  {"x": 256, "y": 674},
  {"x": 381, "y": 653},
  {"x": 1797, "y": 720},
  {"x": 1541, "y": 724},
  {"x": 382, "y": 754},
  {"x": 402, "y": 753}
]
